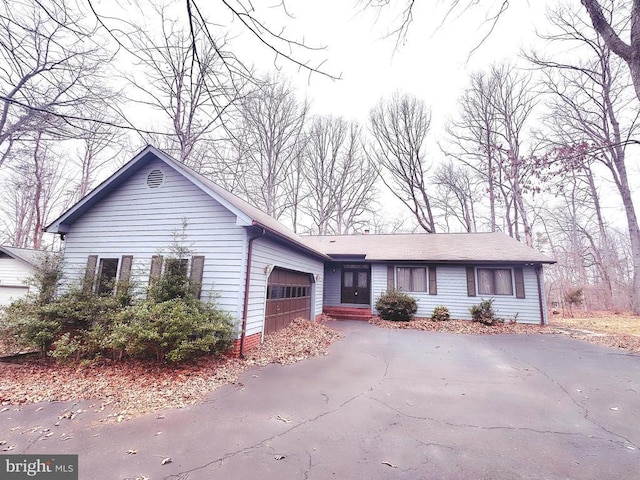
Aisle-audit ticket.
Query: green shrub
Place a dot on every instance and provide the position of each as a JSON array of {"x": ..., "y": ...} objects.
[
  {"x": 175, "y": 330},
  {"x": 484, "y": 313},
  {"x": 440, "y": 314},
  {"x": 81, "y": 310},
  {"x": 396, "y": 305},
  {"x": 23, "y": 326}
]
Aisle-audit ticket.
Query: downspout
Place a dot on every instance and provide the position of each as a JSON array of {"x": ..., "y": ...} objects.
[
  {"x": 247, "y": 284},
  {"x": 538, "y": 278}
]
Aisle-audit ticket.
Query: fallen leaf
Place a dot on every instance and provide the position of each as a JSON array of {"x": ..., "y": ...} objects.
[
  {"x": 279, "y": 457},
  {"x": 389, "y": 464},
  {"x": 285, "y": 420},
  {"x": 9, "y": 448},
  {"x": 166, "y": 460},
  {"x": 139, "y": 387},
  {"x": 615, "y": 409},
  {"x": 132, "y": 451},
  {"x": 4, "y": 409}
]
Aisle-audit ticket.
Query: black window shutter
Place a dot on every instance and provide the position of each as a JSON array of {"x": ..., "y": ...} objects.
[
  {"x": 519, "y": 280},
  {"x": 471, "y": 282},
  {"x": 391, "y": 280},
  {"x": 156, "y": 268},
  {"x": 125, "y": 268},
  {"x": 433, "y": 280},
  {"x": 90, "y": 273},
  {"x": 125, "y": 271},
  {"x": 197, "y": 271}
]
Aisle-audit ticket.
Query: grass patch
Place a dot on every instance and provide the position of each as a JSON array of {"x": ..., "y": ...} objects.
[{"x": 603, "y": 322}]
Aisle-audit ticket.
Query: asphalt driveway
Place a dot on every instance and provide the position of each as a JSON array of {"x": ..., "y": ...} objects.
[{"x": 384, "y": 404}]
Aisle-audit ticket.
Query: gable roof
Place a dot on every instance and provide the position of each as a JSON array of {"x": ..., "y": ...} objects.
[
  {"x": 493, "y": 247},
  {"x": 247, "y": 215},
  {"x": 25, "y": 255}
]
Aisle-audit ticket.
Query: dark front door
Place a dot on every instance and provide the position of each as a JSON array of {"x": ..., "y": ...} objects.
[{"x": 356, "y": 280}]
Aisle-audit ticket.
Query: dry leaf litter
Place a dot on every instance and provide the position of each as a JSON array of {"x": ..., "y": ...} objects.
[
  {"x": 133, "y": 388},
  {"x": 466, "y": 327}
]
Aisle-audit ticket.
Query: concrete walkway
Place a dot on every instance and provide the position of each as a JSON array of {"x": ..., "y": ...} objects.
[{"x": 384, "y": 404}]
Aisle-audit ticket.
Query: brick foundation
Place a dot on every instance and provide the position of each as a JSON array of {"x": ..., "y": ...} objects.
[{"x": 250, "y": 342}]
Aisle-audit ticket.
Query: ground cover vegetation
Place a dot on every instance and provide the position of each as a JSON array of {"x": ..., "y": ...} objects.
[
  {"x": 169, "y": 325},
  {"x": 126, "y": 389}
]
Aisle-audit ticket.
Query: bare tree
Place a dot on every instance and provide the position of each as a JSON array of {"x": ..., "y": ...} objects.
[
  {"x": 490, "y": 137},
  {"x": 51, "y": 66},
  {"x": 593, "y": 117},
  {"x": 186, "y": 80},
  {"x": 456, "y": 195},
  {"x": 33, "y": 191},
  {"x": 613, "y": 20},
  {"x": 271, "y": 136},
  {"x": 474, "y": 137},
  {"x": 338, "y": 177},
  {"x": 399, "y": 127},
  {"x": 99, "y": 144}
]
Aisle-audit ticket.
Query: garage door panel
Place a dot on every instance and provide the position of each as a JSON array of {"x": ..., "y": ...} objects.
[{"x": 286, "y": 300}]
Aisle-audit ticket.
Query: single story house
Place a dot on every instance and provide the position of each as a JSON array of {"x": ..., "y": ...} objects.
[
  {"x": 456, "y": 270},
  {"x": 16, "y": 266},
  {"x": 264, "y": 274}
]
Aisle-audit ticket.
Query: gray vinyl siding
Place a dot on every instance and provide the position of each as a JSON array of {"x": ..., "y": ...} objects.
[
  {"x": 138, "y": 220},
  {"x": 378, "y": 281},
  {"x": 452, "y": 293},
  {"x": 332, "y": 282},
  {"x": 266, "y": 255}
]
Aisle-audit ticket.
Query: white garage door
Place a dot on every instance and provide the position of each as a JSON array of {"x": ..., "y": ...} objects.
[{"x": 9, "y": 294}]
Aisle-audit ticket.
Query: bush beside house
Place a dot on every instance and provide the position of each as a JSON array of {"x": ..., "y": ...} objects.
[
  {"x": 170, "y": 325},
  {"x": 396, "y": 305}
]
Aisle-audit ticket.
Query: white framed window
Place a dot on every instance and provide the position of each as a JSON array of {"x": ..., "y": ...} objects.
[
  {"x": 495, "y": 281},
  {"x": 107, "y": 274},
  {"x": 411, "y": 279}
]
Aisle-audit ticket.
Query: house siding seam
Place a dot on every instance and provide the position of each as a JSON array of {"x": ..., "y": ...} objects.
[
  {"x": 139, "y": 221},
  {"x": 268, "y": 254},
  {"x": 452, "y": 292}
]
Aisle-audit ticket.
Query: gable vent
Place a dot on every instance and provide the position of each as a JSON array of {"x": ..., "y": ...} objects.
[{"x": 155, "y": 178}]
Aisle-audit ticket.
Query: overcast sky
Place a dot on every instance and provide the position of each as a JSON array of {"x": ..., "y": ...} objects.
[{"x": 433, "y": 64}]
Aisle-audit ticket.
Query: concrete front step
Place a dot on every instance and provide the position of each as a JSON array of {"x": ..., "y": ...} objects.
[{"x": 348, "y": 313}]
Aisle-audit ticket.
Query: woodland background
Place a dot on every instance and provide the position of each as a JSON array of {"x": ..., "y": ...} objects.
[{"x": 543, "y": 148}]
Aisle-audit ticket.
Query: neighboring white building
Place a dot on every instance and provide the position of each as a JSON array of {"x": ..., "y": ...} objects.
[{"x": 16, "y": 266}]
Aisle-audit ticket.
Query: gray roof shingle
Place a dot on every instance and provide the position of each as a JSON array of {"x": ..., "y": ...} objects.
[{"x": 434, "y": 247}]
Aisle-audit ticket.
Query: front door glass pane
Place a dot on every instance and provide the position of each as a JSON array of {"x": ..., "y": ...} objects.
[{"x": 348, "y": 279}]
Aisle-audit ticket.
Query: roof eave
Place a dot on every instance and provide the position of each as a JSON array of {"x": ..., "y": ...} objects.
[
  {"x": 290, "y": 240},
  {"x": 18, "y": 257}
]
